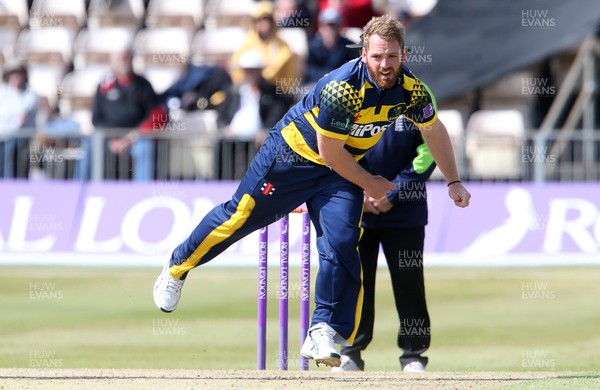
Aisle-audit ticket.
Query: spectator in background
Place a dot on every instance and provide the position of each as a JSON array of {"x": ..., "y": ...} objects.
[
  {"x": 19, "y": 104},
  {"x": 401, "y": 9},
  {"x": 327, "y": 50},
  {"x": 253, "y": 106},
  {"x": 355, "y": 13},
  {"x": 126, "y": 100},
  {"x": 201, "y": 87},
  {"x": 18, "y": 110},
  {"x": 279, "y": 60},
  {"x": 64, "y": 134}
]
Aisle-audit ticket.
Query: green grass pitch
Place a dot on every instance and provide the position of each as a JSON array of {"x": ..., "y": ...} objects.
[{"x": 483, "y": 319}]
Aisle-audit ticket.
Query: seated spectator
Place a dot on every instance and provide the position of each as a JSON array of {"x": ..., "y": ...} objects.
[
  {"x": 125, "y": 100},
  {"x": 253, "y": 106},
  {"x": 64, "y": 135},
  {"x": 327, "y": 49},
  {"x": 355, "y": 13},
  {"x": 18, "y": 110},
  {"x": 279, "y": 60},
  {"x": 201, "y": 87}
]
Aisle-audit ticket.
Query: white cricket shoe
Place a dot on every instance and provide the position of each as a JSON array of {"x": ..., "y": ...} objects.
[
  {"x": 167, "y": 290},
  {"x": 347, "y": 364},
  {"x": 415, "y": 366},
  {"x": 319, "y": 346}
]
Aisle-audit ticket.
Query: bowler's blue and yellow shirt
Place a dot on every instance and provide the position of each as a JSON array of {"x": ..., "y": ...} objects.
[{"x": 347, "y": 104}]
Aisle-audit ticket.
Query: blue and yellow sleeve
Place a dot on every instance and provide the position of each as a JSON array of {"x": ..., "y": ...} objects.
[
  {"x": 422, "y": 107},
  {"x": 339, "y": 102}
]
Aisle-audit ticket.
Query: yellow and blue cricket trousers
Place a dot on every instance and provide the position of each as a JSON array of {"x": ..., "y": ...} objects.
[{"x": 278, "y": 181}]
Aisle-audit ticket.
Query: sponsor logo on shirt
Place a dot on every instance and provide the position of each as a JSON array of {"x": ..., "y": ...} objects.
[
  {"x": 337, "y": 124},
  {"x": 368, "y": 130}
]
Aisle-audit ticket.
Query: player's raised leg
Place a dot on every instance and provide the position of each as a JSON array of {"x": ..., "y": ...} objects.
[{"x": 268, "y": 191}]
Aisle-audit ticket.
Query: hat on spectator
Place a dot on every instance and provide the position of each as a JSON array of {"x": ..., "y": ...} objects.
[
  {"x": 330, "y": 16},
  {"x": 263, "y": 9},
  {"x": 14, "y": 67},
  {"x": 251, "y": 59},
  {"x": 358, "y": 45}
]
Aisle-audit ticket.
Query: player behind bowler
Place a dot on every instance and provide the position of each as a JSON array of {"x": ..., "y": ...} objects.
[{"x": 396, "y": 222}]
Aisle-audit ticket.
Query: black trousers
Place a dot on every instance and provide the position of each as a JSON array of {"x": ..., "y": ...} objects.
[{"x": 403, "y": 249}]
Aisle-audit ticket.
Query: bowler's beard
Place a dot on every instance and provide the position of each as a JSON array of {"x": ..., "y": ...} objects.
[{"x": 385, "y": 82}]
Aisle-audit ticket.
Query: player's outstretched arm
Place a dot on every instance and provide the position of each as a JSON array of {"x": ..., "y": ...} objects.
[
  {"x": 440, "y": 146},
  {"x": 332, "y": 152}
]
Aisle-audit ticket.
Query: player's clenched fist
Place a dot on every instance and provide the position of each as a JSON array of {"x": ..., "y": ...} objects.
[{"x": 459, "y": 194}]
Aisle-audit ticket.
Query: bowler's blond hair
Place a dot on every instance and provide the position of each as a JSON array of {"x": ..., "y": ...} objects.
[{"x": 386, "y": 27}]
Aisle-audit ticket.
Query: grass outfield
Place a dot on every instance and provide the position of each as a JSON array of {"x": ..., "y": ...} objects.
[{"x": 489, "y": 319}]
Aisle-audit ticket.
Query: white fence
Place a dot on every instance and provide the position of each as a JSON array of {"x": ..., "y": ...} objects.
[{"x": 183, "y": 155}]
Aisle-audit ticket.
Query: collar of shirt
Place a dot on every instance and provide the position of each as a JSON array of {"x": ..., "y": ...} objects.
[{"x": 124, "y": 81}]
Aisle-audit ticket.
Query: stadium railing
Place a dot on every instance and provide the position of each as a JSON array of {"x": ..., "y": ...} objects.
[
  {"x": 181, "y": 155},
  {"x": 170, "y": 155}
]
